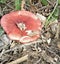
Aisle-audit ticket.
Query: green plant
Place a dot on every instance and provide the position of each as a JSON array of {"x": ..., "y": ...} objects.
[
  {"x": 3, "y": 1},
  {"x": 44, "y": 2},
  {"x": 59, "y": 2},
  {"x": 53, "y": 15},
  {"x": 18, "y": 4}
]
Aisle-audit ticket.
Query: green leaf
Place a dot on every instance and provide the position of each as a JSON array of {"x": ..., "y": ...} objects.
[
  {"x": 58, "y": 1},
  {"x": 56, "y": 13},
  {"x": 18, "y": 4},
  {"x": 44, "y": 2},
  {"x": 3, "y": 1},
  {"x": 1, "y": 31}
]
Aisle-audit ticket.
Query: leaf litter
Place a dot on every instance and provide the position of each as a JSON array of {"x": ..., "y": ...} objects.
[{"x": 45, "y": 50}]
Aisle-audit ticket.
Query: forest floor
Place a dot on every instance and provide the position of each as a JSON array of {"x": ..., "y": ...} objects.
[{"x": 45, "y": 50}]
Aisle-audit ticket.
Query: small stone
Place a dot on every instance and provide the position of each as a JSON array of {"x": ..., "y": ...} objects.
[
  {"x": 49, "y": 40},
  {"x": 39, "y": 49},
  {"x": 55, "y": 59}
]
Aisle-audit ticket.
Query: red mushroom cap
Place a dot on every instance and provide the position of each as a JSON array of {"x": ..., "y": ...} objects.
[{"x": 21, "y": 25}]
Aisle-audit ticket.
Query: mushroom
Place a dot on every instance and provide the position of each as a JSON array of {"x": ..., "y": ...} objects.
[{"x": 22, "y": 26}]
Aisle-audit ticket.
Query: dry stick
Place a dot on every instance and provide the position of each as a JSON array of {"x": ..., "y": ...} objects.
[
  {"x": 38, "y": 61},
  {"x": 23, "y": 45},
  {"x": 7, "y": 5},
  {"x": 22, "y": 5},
  {"x": 33, "y": 8},
  {"x": 57, "y": 33},
  {"x": 24, "y": 58},
  {"x": 44, "y": 7},
  {"x": 50, "y": 2}
]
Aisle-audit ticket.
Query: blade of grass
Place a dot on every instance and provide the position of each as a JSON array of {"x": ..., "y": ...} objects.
[
  {"x": 56, "y": 13},
  {"x": 18, "y": 4},
  {"x": 51, "y": 14}
]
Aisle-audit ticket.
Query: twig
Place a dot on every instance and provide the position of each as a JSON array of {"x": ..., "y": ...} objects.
[
  {"x": 57, "y": 33},
  {"x": 24, "y": 58},
  {"x": 38, "y": 61},
  {"x": 50, "y": 2},
  {"x": 7, "y": 5},
  {"x": 23, "y": 45},
  {"x": 2, "y": 52},
  {"x": 2, "y": 41},
  {"x": 22, "y": 5},
  {"x": 53, "y": 53},
  {"x": 44, "y": 7}
]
